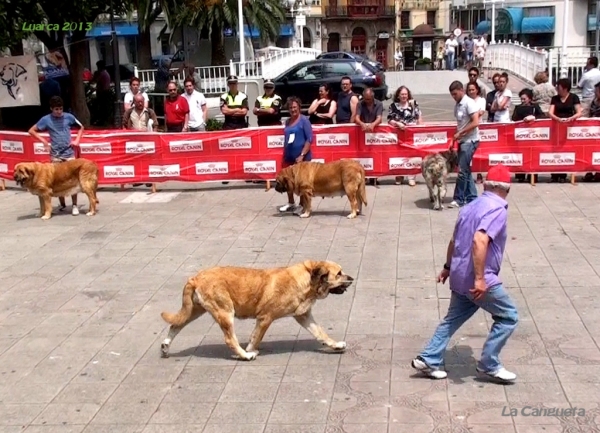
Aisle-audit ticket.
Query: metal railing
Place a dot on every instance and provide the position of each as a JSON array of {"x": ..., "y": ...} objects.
[
  {"x": 213, "y": 79},
  {"x": 360, "y": 11},
  {"x": 524, "y": 61}
]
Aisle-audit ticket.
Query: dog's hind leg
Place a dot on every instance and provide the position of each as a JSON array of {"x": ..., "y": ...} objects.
[
  {"x": 225, "y": 321},
  {"x": 307, "y": 321},
  {"x": 354, "y": 200},
  {"x": 91, "y": 195},
  {"x": 262, "y": 324},
  {"x": 174, "y": 330},
  {"x": 306, "y": 197}
]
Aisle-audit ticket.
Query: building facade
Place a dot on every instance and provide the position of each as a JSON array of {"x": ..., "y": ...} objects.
[
  {"x": 365, "y": 27},
  {"x": 539, "y": 24}
]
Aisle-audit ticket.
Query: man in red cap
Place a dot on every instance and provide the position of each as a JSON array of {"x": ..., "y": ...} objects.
[{"x": 473, "y": 265}]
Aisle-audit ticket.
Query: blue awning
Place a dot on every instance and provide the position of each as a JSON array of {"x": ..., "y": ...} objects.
[
  {"x": 122, "y": 29},
  {"x": 483, "y": 27},
  {"x": 537, "y": 25},
  {"x": 253, "y": 32},
  {"x": 509, "y": 21}
]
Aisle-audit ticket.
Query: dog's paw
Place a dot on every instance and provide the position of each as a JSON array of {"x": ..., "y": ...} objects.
[
  {"x": 340, "y": 345},
  {"x": 45, "y": 217},
  {"x": 351, "y": 216},
  {"x": 304, "y": 215},
  {"x": 90, "y": 213},
  {"x": 437, "y": 207},
  {"x": 164, "y": 350},
  {"x": 250, "y": 356}
]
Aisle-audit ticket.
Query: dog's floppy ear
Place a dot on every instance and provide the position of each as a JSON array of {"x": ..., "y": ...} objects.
[{"x": 319, "y": 274}]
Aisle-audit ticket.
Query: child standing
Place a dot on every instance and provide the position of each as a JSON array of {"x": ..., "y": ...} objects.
[{"x": 58, "y": 124}]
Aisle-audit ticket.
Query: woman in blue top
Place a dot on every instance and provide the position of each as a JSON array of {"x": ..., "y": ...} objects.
[{"x": 298, "y": 136}]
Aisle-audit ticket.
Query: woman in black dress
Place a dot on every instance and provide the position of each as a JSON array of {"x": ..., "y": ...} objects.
[
  {"x": 322, "y": 110},
  {"x": 526, "y": 112},
  {"x": 564, "y": 107}
]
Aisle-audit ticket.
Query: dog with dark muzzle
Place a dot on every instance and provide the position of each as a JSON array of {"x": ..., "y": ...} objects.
[
  {"x": 435, "y": 169},
  {"x": 264, "y": 294}
]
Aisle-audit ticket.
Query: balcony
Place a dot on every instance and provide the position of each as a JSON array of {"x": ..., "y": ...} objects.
[
  {"x": 360, "y": 11},
  {"x": 420, "y": 4}
]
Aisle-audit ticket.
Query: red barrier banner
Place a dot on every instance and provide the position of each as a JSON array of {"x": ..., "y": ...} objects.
[{"x": 256, "y": 153}]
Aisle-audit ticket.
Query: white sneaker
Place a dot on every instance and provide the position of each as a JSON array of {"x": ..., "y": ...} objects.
[
  {"x": 75, "y": 211},
  {"x": 412, "y": 182},
  {"x": 420, "y": 365},
  {"x": 502, "y": 374},
  {"x": 288, "y": 207},
  {"x": 454, "y": 204}
]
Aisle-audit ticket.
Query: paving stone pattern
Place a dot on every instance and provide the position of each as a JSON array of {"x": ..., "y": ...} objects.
[{"x": 80, "y": 303}]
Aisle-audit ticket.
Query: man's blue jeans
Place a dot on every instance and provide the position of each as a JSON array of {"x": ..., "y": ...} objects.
[
  {"x": 465, "y": 190},
  {"x": 450, "y": 61},
  {"x": 498, "y": 303}
]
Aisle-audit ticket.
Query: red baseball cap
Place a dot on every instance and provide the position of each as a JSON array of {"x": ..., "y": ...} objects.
[{"x": 499, "y": 173}]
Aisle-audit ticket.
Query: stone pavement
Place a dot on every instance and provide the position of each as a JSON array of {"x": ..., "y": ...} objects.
[{"x": 80, "y": 303}]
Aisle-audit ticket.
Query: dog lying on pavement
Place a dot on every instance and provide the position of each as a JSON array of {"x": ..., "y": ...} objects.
[
  {"x": 263, "y": 294},
  {"x": 435, "y": 169}
]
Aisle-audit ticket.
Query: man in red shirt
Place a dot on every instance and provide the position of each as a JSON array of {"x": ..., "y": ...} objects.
[{"x": 177, "y": 110}]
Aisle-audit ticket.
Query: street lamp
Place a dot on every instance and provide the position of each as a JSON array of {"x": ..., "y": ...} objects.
[
  {"x": 493, "y": 18},
  {"x": 117, "y": 66},
  {"x": 564, "y": 72},
  {"x": 301, "y": 11},
  {"x": 241, "y": 34}
]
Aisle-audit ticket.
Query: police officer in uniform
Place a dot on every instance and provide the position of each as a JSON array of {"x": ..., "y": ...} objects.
[
  {"x": 268, "y": 106},
  {"x": 234, "y": 106}
]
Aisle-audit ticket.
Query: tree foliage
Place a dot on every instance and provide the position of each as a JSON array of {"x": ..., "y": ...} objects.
[
  {"x": 215, "y": 15},
  {"x": 13, "y": 14}
]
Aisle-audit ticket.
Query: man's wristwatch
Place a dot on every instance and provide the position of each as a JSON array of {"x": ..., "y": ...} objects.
[{"x": 446, "y": 266}]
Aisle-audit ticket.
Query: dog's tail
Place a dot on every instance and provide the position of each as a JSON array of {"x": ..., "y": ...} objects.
[
  {"x": 362, "y": 189},
  {"x": 182, "y": 316}
]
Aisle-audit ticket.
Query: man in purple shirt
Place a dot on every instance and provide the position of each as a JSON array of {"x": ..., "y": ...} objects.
[{"x": 473, "y": 263}]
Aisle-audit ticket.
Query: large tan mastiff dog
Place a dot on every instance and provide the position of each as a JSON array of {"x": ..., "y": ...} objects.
[
  {"x": 333, "y": 179},
  {"x": 47, "y": 180},
  {"x": 263, "y": 294}
]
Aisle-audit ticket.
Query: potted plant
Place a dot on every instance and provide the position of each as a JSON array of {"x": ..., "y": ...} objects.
[{"x": 423, "y": 64}]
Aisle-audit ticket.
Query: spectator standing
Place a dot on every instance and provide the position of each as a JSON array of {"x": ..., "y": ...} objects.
[
  {"x": 480, "y": 48},
  {"x": 502, "y": 100},
  {"x": 322, "y": 109},
  {"x": 450, "y": 46},
  {"x": 163, "y": 75},
  {"x": 177, "y": 110},
  {"x": 346, "y": 103},
  {"x": 473, "y": 263},
  {"x": 543, "y": 91},
  {"x": 489, "y": 98},
  {"x": 473, "y": 77},
  {"x": 469, "y": 46},
  {"x": 134, "y": 89},
  {"x": 440, "y": 59},
  {"x": 474, "y": 92},
  {"x": 267, "y": 107},
  {"x": 58, "y": 124},
  {"x": 594, "y": 112},
  {"x": 404, "y": 111},
  {"x": 139, "y": 117},
  {"x": 190, "y": 72},
  {"x": 564, "y": 107},
  {"x": 527, "y": 112},
  {"x": 588, "y": 80},
  {"x": 234, "y": 106},
  {"x": 298, "y": 137},
  {"x": 197, "y": 105},
  {"x": 104, "y": 96},
  {"x": 466, "y": 113}
]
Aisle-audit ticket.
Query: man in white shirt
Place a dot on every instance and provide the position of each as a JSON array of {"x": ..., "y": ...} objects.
[
  {"x": 134, "y": 89},
  {"x": 502, "y": 101},
  {"x": 588, "y": 81},
  {"x": 451, "y": 45},
  {"x": 198, "y": 107}
]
